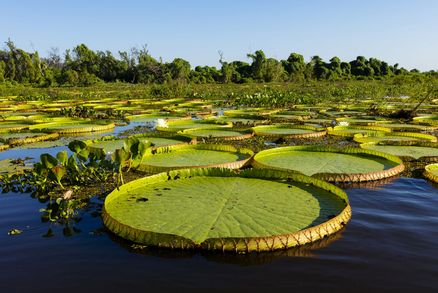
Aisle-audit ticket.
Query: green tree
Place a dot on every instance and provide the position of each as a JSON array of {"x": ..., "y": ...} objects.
[
  {"x": 179, "y": 69},
  {"x": 295, "y": 66},
  {"x": 258, "y": 59},
  {"x": 272, "y": 70}
]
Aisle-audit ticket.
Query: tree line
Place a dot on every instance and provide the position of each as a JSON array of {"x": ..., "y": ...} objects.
[{"x": 82, "y": 66}]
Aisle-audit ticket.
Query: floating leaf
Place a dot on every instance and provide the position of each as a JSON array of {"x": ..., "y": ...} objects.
[
  {"x": 48, "y": 161},
  {"x": 15, "y": 232},
  {"x": 255, "y": 210}
]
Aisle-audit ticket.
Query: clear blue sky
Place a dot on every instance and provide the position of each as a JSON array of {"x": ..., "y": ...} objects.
[{"x": 392, "y": 30}]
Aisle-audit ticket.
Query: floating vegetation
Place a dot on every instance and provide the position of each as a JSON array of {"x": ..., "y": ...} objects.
[
  {"x": 194, "y": 156},
  {"x": 223, "y": 134},
  {"x": 408, "y": 152},
  {"x": 393, "y": 137},
  {"x": 330, "y": 163},
  {"x": 350, "y": 131},
  {"x": 268, "y": 192},
  {"x": 289, "y": 131},
  {"x": 110, "y": 144},
  {"x": 431, "y": 172},
  {"x": 73, "y": 126},
  {"x": 218, "y": 209},
  {"x": 178, "y": 125}
]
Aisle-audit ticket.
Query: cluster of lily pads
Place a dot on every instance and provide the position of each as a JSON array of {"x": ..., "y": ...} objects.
[{"x": 188, "y": 176}]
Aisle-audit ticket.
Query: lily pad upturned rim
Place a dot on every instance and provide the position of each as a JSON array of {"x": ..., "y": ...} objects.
[
  {"x": 230, "y": 244},
  {"x": 184, "y": 140},
  {"x": 33, "y": 139},
  {"x": 214, "y": 147},
  {"x": 13, "y": 128},
  {"x": 215, "y": 123},
  {"x": 429, "y": 120},
  {"x": 343, "y": 130},
  {"x": 245, "y": 134},
  {"x": 362, "y": 138},
  {"x": 316, "y": 132},
  {"x": 88, "y": 126},
  {"x": 4, "y": 147},
  {"x": 429, "y": 174},
  {"x": 427, "y": 144},
  {"x": 338, "y": 177},
  {"x": 358, "y": 121}
]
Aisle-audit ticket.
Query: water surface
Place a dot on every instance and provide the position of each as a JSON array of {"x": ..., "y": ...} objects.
[{"x": 390, "y": 244}]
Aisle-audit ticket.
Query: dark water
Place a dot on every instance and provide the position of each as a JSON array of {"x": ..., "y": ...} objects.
[{"x": 390, "y": 244}]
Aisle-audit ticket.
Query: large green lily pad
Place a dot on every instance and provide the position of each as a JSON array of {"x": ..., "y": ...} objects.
[
  {"x": 346, "y": 164},
  {"x": 12, "y": 126},
  {"x": 393, "y": 137},
  {"x": 192, "y": 156},
  {"x": 215, "y": 133},
  {"x": 219, "y": 209},
  {"x": 178, "y": 125},
  {"x": 9, "y": 166},
  {"x": 406, "y": 151},
  {"x": 350, "y": 131},
  {"x": 109, "y": 146},
  {"x": 287, "y": 130},
  {"x": 73, "y": 126}
]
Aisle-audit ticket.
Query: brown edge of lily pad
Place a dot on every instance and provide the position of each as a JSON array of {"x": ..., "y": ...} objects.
[{"x": 429, "y": 175}]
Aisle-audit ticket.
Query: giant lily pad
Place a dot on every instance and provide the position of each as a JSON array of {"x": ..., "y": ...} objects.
[
  {"x": 289, "y": 131},
  {"x": 216, "y": 133},
  {"x": 177, "y": 125},
  {"x": 407, "y": 127},
  {"x": 15, "y": 139},
  {"x": 218, "y": 209},
  {"x": 9, "y": 166},
  {"x": 430, "y": 119},
  {"x": 73, "y": 127},
  {"x": 393, "y": 137},
  {"x": 12, "y": 126},
  {"x": 331, "y": 164},
  {"x": 110, "y": 145},
  {"x": 193, "y": 156},
  {"x": 350, "y": 131},
  {"x": 415, "y": 151}
]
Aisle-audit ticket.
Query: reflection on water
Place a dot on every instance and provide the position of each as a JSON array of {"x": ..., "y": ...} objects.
[
  {"x": 377, "y": 184},
  {"x": 245, "y": 259}
]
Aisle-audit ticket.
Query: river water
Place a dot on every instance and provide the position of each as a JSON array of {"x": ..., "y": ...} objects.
[{"x": 390, "y": 244}]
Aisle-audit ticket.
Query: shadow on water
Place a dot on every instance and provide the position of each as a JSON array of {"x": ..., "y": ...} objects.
[
  {"x": 373, "y": 185},
  {"x": 240, "y": 259}
]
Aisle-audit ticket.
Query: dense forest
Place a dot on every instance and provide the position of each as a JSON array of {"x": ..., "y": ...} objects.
[{"x": 82, "y": 66}]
